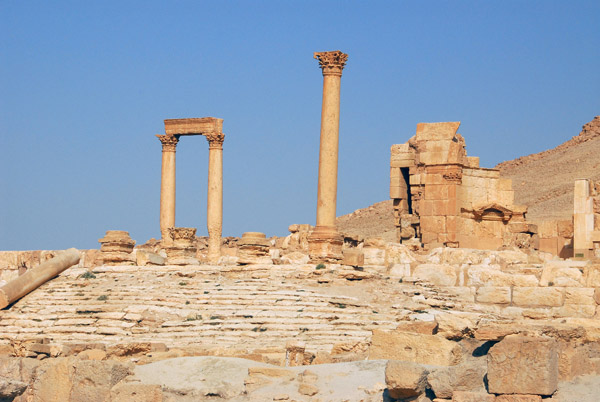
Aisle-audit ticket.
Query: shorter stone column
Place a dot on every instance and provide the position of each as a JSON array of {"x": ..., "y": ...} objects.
[
  {"x": 167, "y": 183},
  {"x": 116, "y": 248},
  {"x": 583, "y": 218},
  {"x": 214, "y": 207},
  {"x": 253, "y": 248},
  {"x": 182, "y": 250}
]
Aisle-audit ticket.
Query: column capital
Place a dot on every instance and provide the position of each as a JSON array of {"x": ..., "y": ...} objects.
[
  {"x": 169, "y": 142},
  {"x": 215, "y": 140},
  {"x": 332, "y": 63}
]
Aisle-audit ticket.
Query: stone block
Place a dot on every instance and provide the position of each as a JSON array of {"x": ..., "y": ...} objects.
[
  {"x": 523, "y": 365},
  {"x": 580, "y": 296},
  {"x": 133, "y": 392},
  {"x": 486, "y": 275},
  {"x": 564, "y": 228},
  {"x": 355, "y": 258},
  {"x": 438, "y": 274},
  {"x": 436, "y": 131},
  {"x": 374, "y": 256},
  {"x": 397, "y": 254},
  {"x": 466, "y": 396},
  {"x": 405, "y": 379},
  {"x": 537, "y": 297},
  {"x": 417, "y": 348},
  {"x": 399, "y": 270},
  {"x": 418, "y": 327},
  {"x": 518, "y": 398},
  {"x": 557, "y": 275},
  {"x": 144, "y": 257},
  {"x": 467, "y": 376},
  {"x": 493, "y": 294}
]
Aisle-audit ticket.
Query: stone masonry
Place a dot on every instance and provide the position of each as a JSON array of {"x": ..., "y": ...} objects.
[{"x": 442, "y": 197}]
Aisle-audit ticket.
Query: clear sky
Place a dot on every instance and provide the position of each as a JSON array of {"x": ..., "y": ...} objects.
[{"x": 85, "y": 86}]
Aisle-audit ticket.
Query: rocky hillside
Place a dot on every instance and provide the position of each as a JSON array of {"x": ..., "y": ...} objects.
[
  {"x": 544, "y": 181},
  {"x": 376, "y": 220}
]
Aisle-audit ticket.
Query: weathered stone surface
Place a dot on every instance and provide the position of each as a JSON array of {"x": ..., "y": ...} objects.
[
  {"x": 465, "y": 396},
  {"x": 418, "y": 327},
  {"x": 518, "y": 398},
  {"x": 467, "y": 376},
  {"x": 441, "y": 275},
  {"x": 453, "y": 325},
  {"x": 354, "y": 258},
  {"x": 397, "y": 254},
  {"x": 10, "y": 389},
  {"x": 493, "y": 294},
  {"x": 145, "y": 257},
  {"x": 405, "y": 379},
  {"x": 417, "y": 348},
  {"x": 132, "y": 392},
  {"x": 523, "y": 365},
  {"x": 538, "y": 297}
]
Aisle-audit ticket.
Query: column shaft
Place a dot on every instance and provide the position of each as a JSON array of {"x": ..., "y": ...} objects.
[
  {"x": 214, "y": 206},
  {"x": 167, "y": 184},
  {"x": 328, "y": 153}
]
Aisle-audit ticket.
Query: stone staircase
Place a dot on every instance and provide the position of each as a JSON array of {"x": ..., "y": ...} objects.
[{"x": 192, "y": 306}]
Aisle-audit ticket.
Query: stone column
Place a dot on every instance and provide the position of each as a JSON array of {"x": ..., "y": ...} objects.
[
  {"x": 167, "y": 184},
  {"x": 325, "y": 243},
  {"x": 214, "y": 206},
  {"x": 583, "y": 219}
]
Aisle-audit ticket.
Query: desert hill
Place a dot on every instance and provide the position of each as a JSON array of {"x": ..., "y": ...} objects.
[{"x": 542, "y": 181}]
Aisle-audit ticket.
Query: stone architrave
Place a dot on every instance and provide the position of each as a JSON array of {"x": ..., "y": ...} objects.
[
  {"x": 167, "y": 183},
  {"x": 325, "y": 243}
]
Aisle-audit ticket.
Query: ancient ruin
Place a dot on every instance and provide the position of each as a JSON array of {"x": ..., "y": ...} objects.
[
  {"x": 325, "y": 243},
  {"x": 212, "y": 129},
  {"x": 443, "y": 198},
  {"x": 469, "y": 303}
]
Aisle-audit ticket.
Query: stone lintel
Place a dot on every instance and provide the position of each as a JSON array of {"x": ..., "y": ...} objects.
[
  {"x": 437, "y": 131},
  {"x": 193, "y": 126}
]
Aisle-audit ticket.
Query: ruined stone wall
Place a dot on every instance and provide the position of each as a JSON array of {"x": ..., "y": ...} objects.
[{"x": 442, "y": 197}]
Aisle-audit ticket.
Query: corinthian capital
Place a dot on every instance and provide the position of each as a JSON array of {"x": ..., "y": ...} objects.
[
  {"x": 332, "y": 63},
  {"x": 215, "y": 140},
  {"x": 169, "y": 142}
]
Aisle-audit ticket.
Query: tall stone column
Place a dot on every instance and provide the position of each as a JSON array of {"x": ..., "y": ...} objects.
[
  {"x": 214, "y": 208},
  {"x": 325, "y": 243},
  {"x": 167, "y": 184}
]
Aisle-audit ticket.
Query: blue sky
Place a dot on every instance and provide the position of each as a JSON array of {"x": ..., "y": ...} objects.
[{"x": 85, "y": 86}]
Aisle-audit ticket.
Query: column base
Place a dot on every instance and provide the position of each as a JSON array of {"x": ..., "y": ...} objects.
[
  {"x": 325, "y": 244},
  {"x": 214, "y": 249}
]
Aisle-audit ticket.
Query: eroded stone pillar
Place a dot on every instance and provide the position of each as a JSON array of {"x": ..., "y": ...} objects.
[
  {"x": 167, "y": 184},
  {"x": 583, "y": 218},
  {"x": 214, "y": 207},
  {"x": 325, "y": 243}
]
